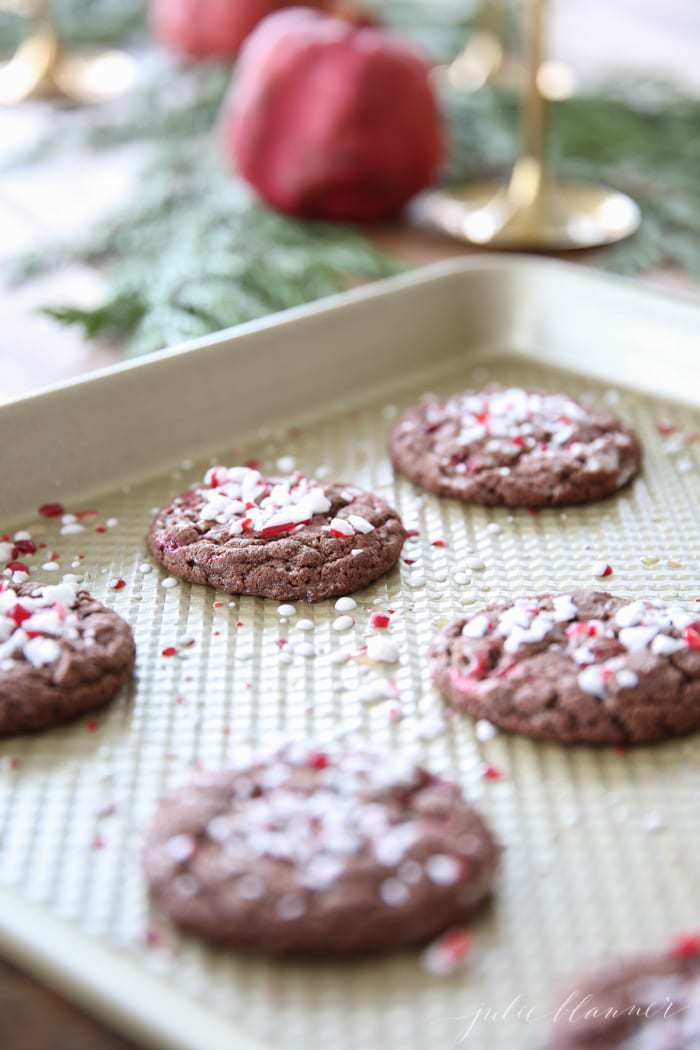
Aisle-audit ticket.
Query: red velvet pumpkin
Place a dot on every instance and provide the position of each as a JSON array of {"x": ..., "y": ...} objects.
[
  {"x": 330, "y": 120},
  {"x": 210, "y": 28}
]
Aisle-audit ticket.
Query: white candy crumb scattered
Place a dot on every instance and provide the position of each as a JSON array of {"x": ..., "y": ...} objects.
[
  {"x": 485, "y": 730},
  {"x": 376, "y": 690},
  {"x": 345, "y": 605},
  {"x": 343, "y": 623},
  {"x": 382, "y": 649}
]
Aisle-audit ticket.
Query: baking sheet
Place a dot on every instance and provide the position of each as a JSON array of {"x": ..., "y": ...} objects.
[{"x": 601, "y": 846}]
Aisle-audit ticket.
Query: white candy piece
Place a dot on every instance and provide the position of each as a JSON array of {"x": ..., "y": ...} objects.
[
  {"x": 41, "y": 651},
  {"x": 626, "y": 679},
  {"x": 664, "y": 645},
  {"x": 346, "y": 604},
  {"x": 592, "y": 681},
  {"x": 341, "y": 526},
  {"x": 634, "y": 639},
  {"x": 477, "y": 627},
  {"x": 382, "y": 649},
  {"x": 485, "y": 730},
  {"x": 372, "y": 692},
  {"x": 343, "y": 623}
]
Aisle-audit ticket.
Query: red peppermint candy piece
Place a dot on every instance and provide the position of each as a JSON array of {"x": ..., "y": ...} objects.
[
  {"x": 285, "y": 526},
  {"x": 19, "y": 614},
  {"x": 118, "y": 585},
  {"x": 17, "y": 566},
  {"x": 687, "y": 946},
  {"x": 692, "y": 635},
  {"x": 51, "y": 510},
  {"x": 491, "y": 773},
  {"x": 318, "y": 760},
  {"x": 457, "y": 944},
  {"x": 379, "y": 620},
  {"x": 24, "y": 547},
  {"x": 169, "y": 650}
]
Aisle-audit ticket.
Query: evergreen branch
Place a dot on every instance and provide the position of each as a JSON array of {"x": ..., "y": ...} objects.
[{"x": 195, "y": 251}]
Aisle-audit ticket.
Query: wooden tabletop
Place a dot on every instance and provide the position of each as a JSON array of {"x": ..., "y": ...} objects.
[{"x": 62, "y": 197}]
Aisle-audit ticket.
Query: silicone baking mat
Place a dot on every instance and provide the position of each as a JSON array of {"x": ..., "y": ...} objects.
[{"x": 601, "y": 846}]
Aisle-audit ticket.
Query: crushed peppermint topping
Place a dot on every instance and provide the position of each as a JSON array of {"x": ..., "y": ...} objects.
[
  {"x": 601, "y": 648},
  {"x": 246, "y": 503},
  {"x": 317, "y": 812},
  {"x": 495, "y": 429},
  {"x": 382, "y": 649},
  {"x": 33, "y": 625}
]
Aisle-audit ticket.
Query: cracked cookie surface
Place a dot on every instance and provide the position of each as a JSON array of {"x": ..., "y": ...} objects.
[
  {"x": 315, "y": 853},
  {"x": 62, "y": 653},
  {"x": 587, "y": 667},
  {"x": 289, "y": 538},
  {"x": 514, "y": 447}
]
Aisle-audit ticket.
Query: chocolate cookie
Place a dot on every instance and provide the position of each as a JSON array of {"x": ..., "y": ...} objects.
[
  {"x": 513, "y": 447},
  {"x": 648, "y": 1003},
  {"x": 287, "y": 538},
  {"x": 62, "y": 653},
  {"x": 581, "y": 668},
  {"x": 313, "y": 854}
]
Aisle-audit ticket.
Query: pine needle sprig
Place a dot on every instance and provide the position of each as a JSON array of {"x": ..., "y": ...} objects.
[{"x": 194, "y": 251}]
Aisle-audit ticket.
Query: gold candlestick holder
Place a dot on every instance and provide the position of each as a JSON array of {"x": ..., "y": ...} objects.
[
  {"x": 533, "y": 210},
  {"x": 42, "y": 67}
]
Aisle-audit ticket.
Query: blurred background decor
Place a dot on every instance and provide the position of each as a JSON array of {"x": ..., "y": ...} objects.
[{"x": 127, "y": 230}]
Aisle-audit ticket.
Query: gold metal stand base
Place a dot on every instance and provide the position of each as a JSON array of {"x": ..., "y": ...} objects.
[
  {"x": 533, "y": 211},
  {"x": 562, "y": 216},
  {"x": 40, "y": 69}
]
